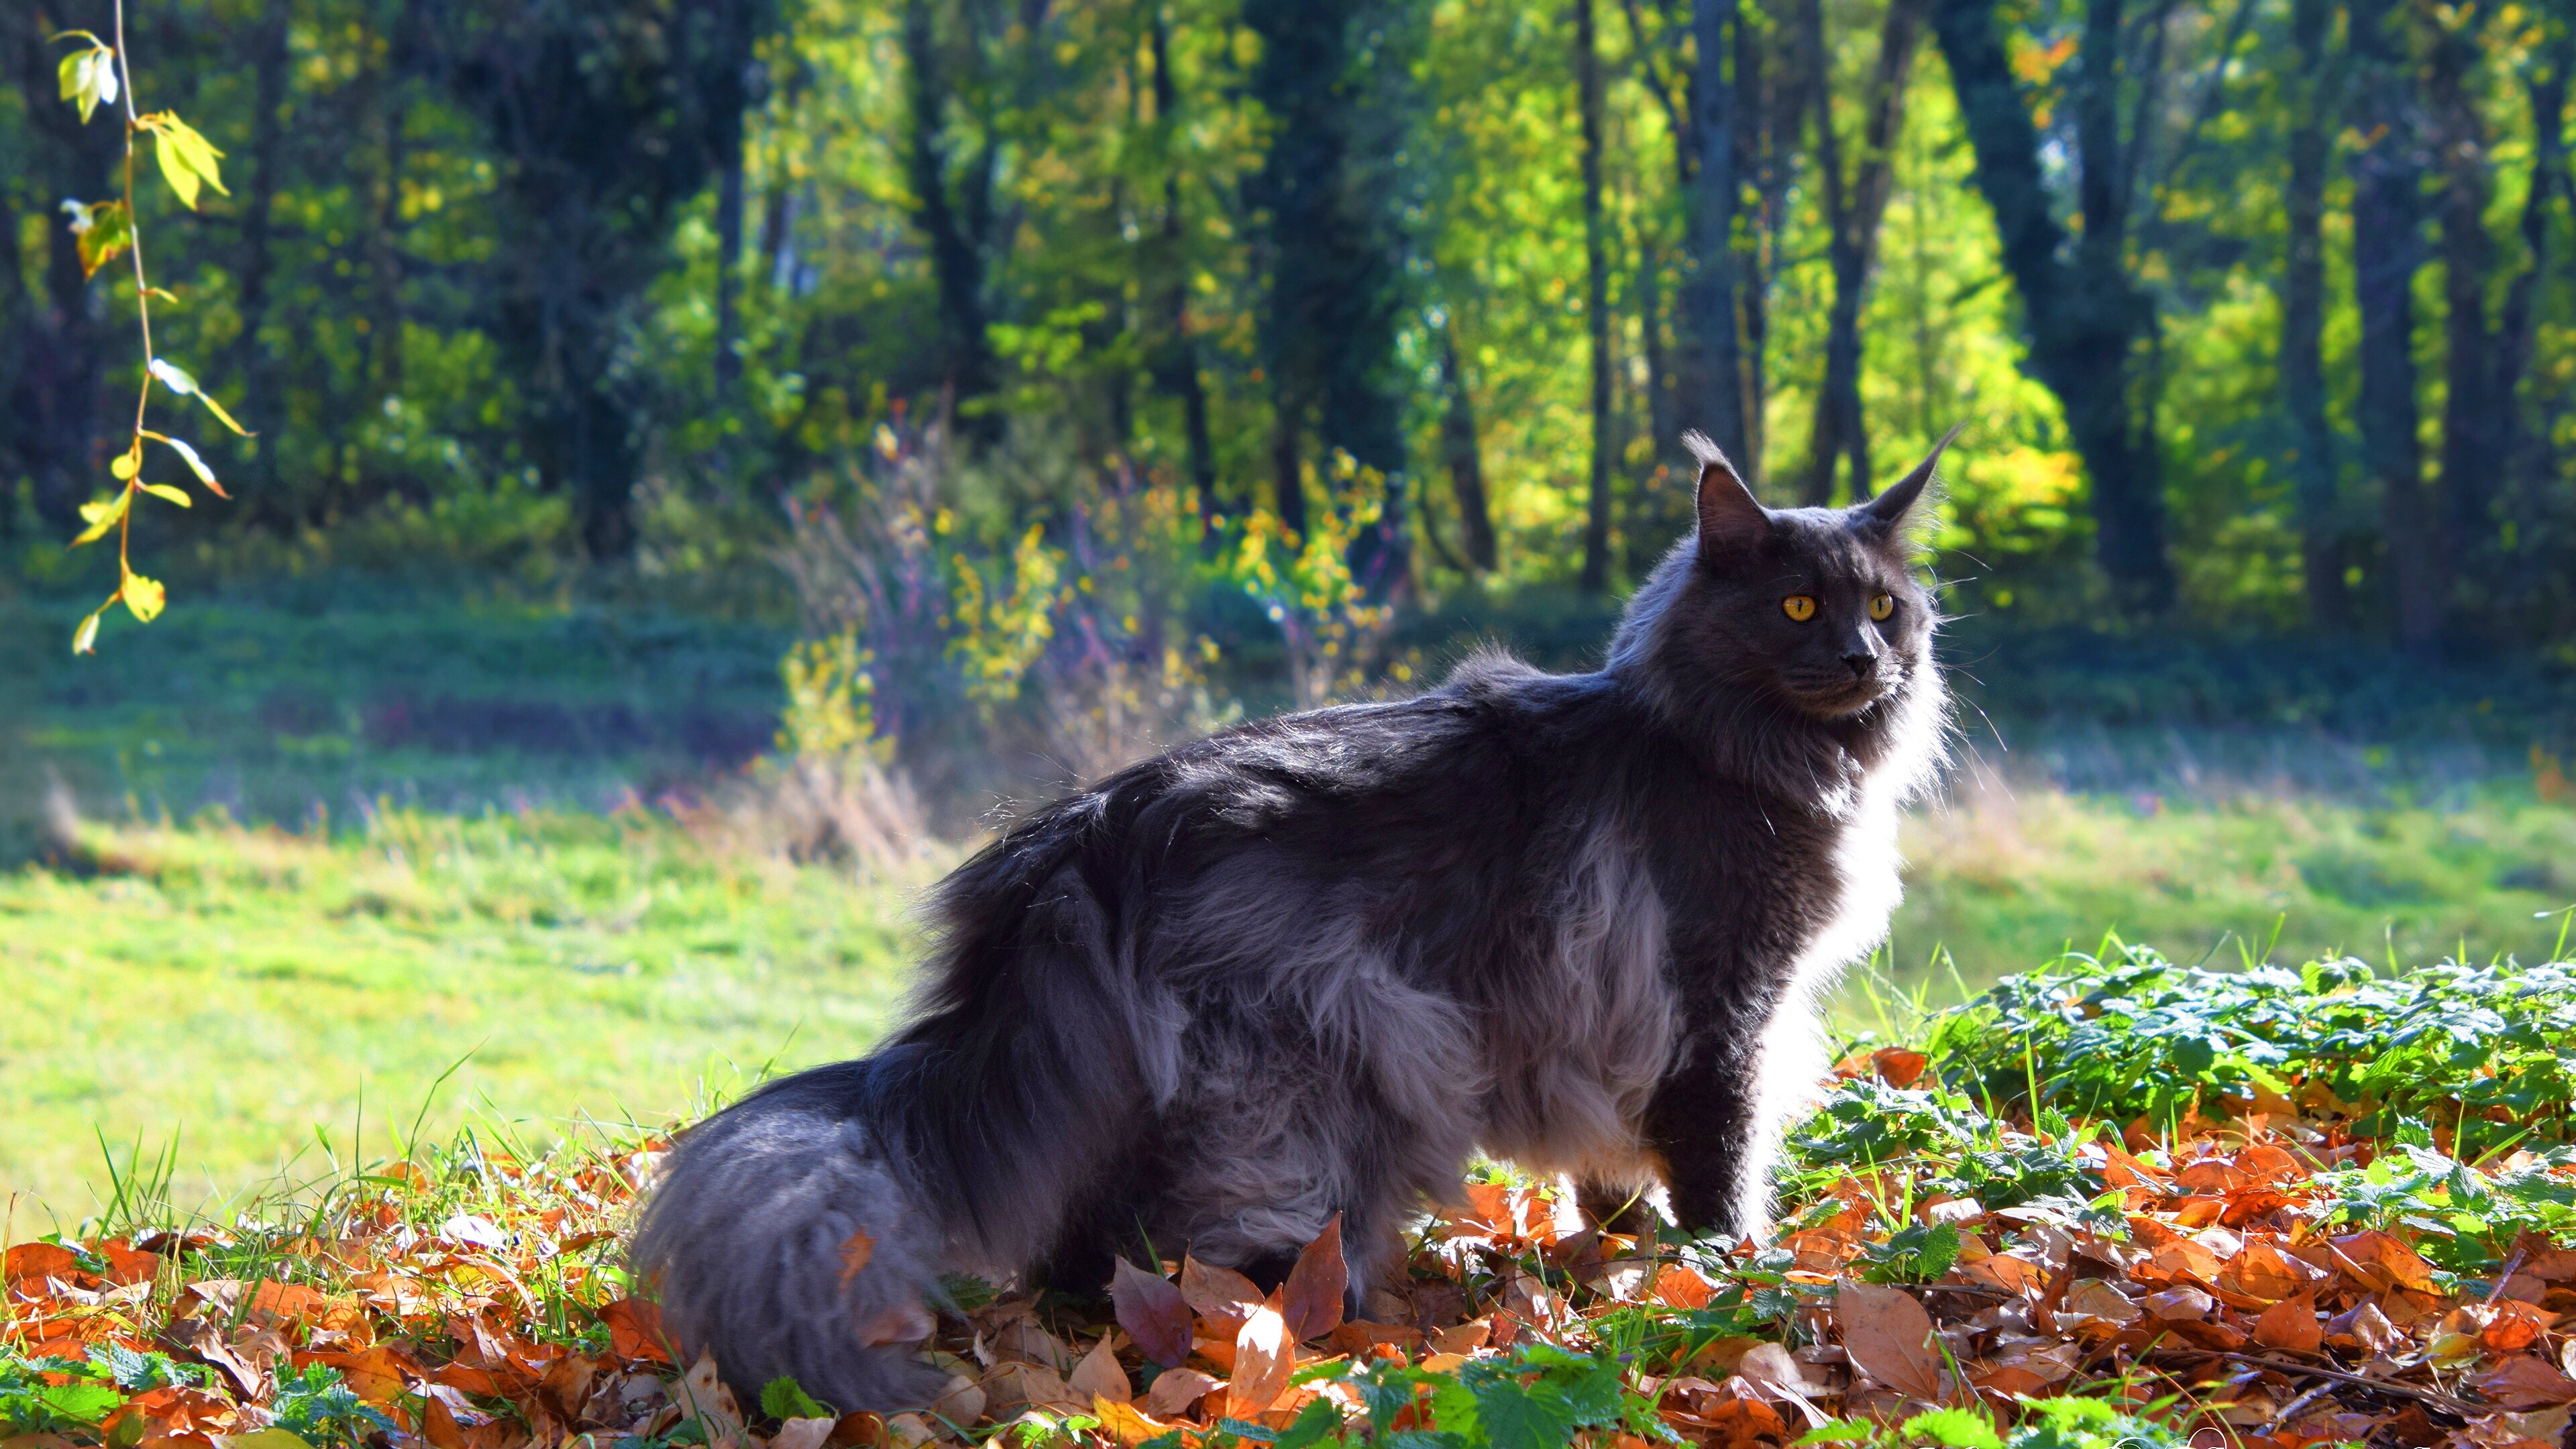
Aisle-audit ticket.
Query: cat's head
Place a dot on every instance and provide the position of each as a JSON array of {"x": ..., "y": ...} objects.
[{"x": 1817, "y": 609}]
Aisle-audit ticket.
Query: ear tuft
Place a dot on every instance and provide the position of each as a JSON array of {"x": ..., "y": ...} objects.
[
  {"x": 1730, "y": 517},
  {"x": 1903, "y": 506}
]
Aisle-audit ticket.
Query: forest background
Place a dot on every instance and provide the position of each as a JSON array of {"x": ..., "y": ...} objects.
[{"x": 708, "y": 452}]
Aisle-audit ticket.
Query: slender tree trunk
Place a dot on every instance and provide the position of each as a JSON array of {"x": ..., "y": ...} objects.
[
  {"x": 1710, "y": 294},
  {"x": 384, "y": 245},
  {"x": 2528, "y": 450},
  {"x": 1596, "y": 250},
  {"x": 2477, "y": 398},
  {"x": 1854, "y": 211},
  {"x": 1287, "y": 485},
  {"x": 1660, "y": 413},
  {"x": 2303, "y": 313},
  {"x": 1179, "y": 368},
  {"x": 1466, "y": 467},
  {"x": 729, "y": 209},
  {"x": 250, "y": 359},
  {"x": 1756, "y": 166},
  {"x": 956, "y": 242},
  {"x": 69, "y": 364},
  {"x": 2090, "y": 324},
  {"x": 2387, "y": 247}
]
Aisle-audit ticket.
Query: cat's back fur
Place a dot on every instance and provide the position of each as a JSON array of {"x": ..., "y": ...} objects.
[{"x": 1310, "y": 965}]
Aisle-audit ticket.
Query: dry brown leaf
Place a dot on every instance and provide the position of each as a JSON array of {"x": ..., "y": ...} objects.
[
  {"x": 1174, "y": 1390},
  {"x": 803, "y": 1433},
  {"x": 2291, "y": 1326},
  {"x": 961, "y": 1403},
  {"x": 2524, "y": 1382},
  {"x": 1100, "y": 1376},
  {"x": 2262, "y": 1271},
  {"x": 1311, "y": 1299},
  {"x": 1465, "y": 1337},
  {"x": 1220, "y": 1295},
  {"x": 2380, "y": 1262},
  {"x": 1889, "y": 1338},
  {"x": 1263, "y": 1358},
  {"x": 1015, "y": 1386},
  {"x": 2098, "y": 1298},
  {"x": 635, "y": 1330},
  {"x": 1153, "y": 1312}
]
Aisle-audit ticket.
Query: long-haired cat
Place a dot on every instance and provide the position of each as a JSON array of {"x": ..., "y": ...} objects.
[{"x": 1313, "y": 965}]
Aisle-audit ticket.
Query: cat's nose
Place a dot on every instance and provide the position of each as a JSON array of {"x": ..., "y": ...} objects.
[{"x": 1863, "y": 661}]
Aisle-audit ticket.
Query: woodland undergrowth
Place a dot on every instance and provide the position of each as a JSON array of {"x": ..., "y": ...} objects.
[{"x": 2111, "y": 1202}]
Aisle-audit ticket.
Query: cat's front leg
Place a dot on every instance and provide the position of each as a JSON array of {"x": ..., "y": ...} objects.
[{"x": 1702, "y": 1122}]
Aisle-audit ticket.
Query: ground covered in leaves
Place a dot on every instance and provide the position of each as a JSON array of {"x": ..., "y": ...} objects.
[{"x": 2113, "y": 1202}]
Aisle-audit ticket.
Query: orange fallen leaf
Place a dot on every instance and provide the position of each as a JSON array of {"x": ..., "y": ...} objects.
[
  {"x": 1263, "y": 1357},
  {"x": 856, "y": 1250},
  {"x": 2291, "y": 1326},
  {"x": 635, "y": 1330},
  {"x": 1174, "y": 1390}
]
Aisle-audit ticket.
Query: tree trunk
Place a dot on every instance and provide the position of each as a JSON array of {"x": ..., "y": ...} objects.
[
  {"x": 1854, "y": 210},
  {"x": 2528, "y": 450},
  {"x": 250, "y": 358},
  {"x": 2303, "y": 314},
  {"x": 956, "y": 249},
  {"x": 2387, "y": 248},
  {"x": 2477, "y": 397},
  {"x": 67, "y": 366},
  {"x": 1757, "y": 165},
  {"x": 1709, "y": 296},
  {"x": 1466, "y": 466},
  {"x": 1177, "y": 369},
  {"x": 1660, "y": 413},
  {"x": 1596, "y": 524},
  {"x": 1287, "y": 485},
  {"x": 2089, "y": 322}
]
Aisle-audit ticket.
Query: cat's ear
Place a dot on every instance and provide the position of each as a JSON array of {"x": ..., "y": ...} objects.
[
  {"x": 1730, "y": 517},
  {"x": 1892, "y": 513}
]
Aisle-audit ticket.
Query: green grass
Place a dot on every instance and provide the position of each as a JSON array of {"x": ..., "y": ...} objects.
[
  {"x": 241, "y": 987},
  {"x": 2006, "y": 879}
]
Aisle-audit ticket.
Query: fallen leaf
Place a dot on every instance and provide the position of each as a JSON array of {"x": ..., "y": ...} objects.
[
  {"x": 2524, "y": 1382},
  {"x": 856, "y": 1250},
  {"x": 1680, "y": 1286},
  {"x": 1897, "y": 1066},
  {"x": 2178, "y": 1303},
  {"x": 1015, "y": 1385},
  {"x": 1220, "y": 1295},
  {"x": 1100, "y": 1376},
  {"x": 2291, "y": 1326},
  {"x": 1263, "y": 1356},
  {"x": 1889, "y": 1336},
  {"x": 1125, "y": 1425},
  {"x": 635, "y": 1330},
  {"x": 1154, "y": 1313},
  {"x": 1174, "y": 1390},
  {"x": 2262, "y": 1271},
  {"x": 1311, "y": 1299},
  {"x": 803, "y": 1433}
]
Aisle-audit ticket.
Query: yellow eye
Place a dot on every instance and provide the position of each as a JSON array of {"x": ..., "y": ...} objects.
[
  {"x": 1882, "y": 606},
  {"x": 1800, "y": 607}
]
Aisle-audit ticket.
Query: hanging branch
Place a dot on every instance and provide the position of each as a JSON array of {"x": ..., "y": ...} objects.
[{"x": 90, "y": 78}]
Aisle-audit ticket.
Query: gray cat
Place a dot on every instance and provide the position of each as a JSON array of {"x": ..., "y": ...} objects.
[{"x": 1313, "y": 965}]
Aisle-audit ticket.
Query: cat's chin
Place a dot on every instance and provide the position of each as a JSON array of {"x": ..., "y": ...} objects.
[{"x": 1837, "y": 703}]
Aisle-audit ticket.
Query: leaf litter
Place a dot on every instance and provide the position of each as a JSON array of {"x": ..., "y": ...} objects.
[{"x": 2112, "y": 1202}]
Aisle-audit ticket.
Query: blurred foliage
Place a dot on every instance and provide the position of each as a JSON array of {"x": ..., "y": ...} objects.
[{"x": 510, "y": 284}]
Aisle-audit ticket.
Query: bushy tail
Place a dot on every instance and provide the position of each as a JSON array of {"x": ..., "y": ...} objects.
[{"x": 787, "y": 1239}]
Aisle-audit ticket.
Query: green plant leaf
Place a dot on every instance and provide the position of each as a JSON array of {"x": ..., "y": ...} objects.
[
  {"x": 85, "y": 638},
  {"x": 168, "y": 494},
  {"x": 87, "y": 77},
  {"x": 102, "y": 233},
  {"x": 784, "y": 1398}
]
